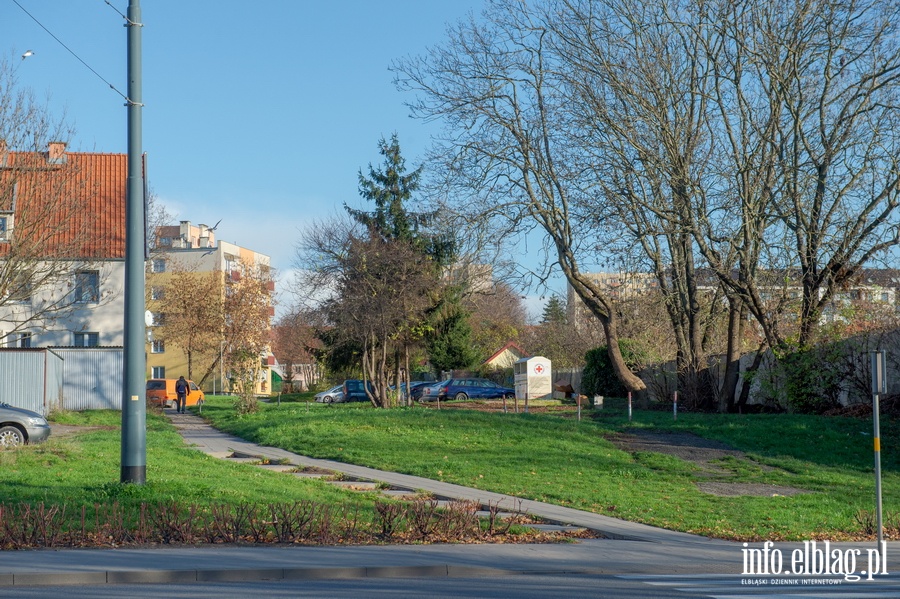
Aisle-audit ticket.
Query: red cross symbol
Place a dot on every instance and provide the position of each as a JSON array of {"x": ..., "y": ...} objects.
[{"x": 539, "y": 369}]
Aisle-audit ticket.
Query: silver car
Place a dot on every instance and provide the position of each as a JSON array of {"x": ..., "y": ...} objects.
[
  {"x": 333, "y": 395},
  {"x": 19, "y": 426}
]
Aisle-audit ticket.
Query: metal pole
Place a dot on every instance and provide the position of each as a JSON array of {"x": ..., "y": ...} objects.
[
  {"x": 629, "y": 406},
  {"x": 879, "y": 385},
  {"x": 134, "y": 388},
  {"x": 675, "y": 407}
]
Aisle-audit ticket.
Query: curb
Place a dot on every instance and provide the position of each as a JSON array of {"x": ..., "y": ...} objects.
[{"x": 256, "y": 574}]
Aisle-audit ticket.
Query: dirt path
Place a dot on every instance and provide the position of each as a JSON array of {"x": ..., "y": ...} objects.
[{"x": 704, "y": 453}]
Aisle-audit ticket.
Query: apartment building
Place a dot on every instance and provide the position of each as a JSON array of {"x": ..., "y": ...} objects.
[{"x": 194, "y": 249}]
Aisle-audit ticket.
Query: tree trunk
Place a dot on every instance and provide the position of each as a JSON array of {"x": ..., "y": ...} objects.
[
  {"x": 599, "y": 306},
  {"x": 736, "y": 313}
]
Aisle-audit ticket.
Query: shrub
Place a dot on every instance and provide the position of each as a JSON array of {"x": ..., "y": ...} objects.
[
  {"x": 808, "y": 380},
  {"x": 598, "y": 376}
]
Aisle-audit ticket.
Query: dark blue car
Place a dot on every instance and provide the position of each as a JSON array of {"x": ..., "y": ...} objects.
[{"x": 465, "y": 388}]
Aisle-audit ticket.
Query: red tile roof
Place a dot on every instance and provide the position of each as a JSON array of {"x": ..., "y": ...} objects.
[
  {"x": 72, "y": 208},
  {"x": 512, "y": 347}
]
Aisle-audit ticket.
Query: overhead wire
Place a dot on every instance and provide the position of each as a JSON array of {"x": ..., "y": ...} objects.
[{"x": 72, "y": 52}]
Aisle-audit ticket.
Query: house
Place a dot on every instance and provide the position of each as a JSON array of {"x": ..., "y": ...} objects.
[
  {"x": 62, "y": 247},
  {"x": 506, "y": 356},
  {"x": 194, "y": 250}
]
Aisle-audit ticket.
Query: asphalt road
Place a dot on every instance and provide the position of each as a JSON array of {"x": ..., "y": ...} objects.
[{"x": 530, "y": 586}]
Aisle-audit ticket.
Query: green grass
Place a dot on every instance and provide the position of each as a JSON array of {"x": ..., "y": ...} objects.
[
  {"x": 562, "y": 461},
  {"x": 84, "y": 470}
]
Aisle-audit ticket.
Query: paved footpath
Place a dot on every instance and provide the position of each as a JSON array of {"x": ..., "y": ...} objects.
[{"x": 629, "y": 549}]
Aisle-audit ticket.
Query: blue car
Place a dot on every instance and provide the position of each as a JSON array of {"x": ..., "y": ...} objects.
[{"x": 465, "y": 388}]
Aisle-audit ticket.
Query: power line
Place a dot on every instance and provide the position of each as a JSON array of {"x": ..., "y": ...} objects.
[{"x": 113, "y": 87}]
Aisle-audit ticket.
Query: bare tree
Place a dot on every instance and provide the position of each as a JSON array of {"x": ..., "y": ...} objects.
[
  {"x": 835, "y": 66},
  {"x": 383, "y": 292},
  {"x": 247, "y": 315},
  {"x": 496, "y": 316},
  {"x": 754, "y": 142},
  {"x": 640, "y": 87},
  {"x": 294, "y": 342},
  {"x": 507, "y": 155},
  {"x": 193, "y": 304}
]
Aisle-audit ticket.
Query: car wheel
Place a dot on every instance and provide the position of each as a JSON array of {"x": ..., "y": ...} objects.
[
  {"x": 11, "y": 436},
  {"x": 327, "y": 399},
  {"x": 461, "y": 396}
]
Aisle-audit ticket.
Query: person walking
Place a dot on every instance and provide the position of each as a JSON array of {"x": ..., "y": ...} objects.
[{"x": 181, "y": 391}]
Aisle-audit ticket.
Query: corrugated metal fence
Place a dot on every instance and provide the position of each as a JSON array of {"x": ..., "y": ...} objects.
[
  {"x": 92, "y": 378},
  {"x": 68, "y": 378},
  {"x": 31, "y": 379}
]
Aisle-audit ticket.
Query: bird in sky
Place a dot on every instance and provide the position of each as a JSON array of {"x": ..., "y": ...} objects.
[{"x": 27, "y": 54}]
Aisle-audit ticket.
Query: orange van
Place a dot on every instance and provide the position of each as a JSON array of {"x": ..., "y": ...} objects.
[{"x": 161, "y": 393}]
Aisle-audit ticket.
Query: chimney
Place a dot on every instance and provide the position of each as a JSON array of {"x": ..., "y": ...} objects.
[
  {"x": 203, "y": 238},
  {"x": 184, "y": 232},
  {"x": 57, "y": 153}
]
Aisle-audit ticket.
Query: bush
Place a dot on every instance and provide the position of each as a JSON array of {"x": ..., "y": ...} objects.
[
  {"x": 598, "y": 376},
  {"x": 808, "y": 380}
]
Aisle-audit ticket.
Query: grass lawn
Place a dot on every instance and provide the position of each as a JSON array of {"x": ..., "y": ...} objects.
[
  {"x": 559, "y": 460},
  {"x": 84, "y": 469}
]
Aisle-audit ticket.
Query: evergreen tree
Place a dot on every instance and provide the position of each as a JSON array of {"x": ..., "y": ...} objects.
[
  {"x": 450, "y": 345},
  {"x": 389, "y": 187},
  {"x": 554, "y": 311}
]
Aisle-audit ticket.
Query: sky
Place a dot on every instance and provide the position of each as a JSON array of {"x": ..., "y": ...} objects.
[{"x": 258, "y": 114}]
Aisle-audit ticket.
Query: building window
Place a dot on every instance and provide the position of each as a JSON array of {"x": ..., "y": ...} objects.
[
  {"x": 157, "y": 293},
  {"x": 159, "y": 265},
  {"x": 159, "y": 319},
  {"x": 86, "y": 339},
  {"x": 18, "y": 340},
  {"x": 158, "y": 347},
  {"x": 158, "y": 372},
  {"x": 87, "y": 287},
  {"x": 4, "y": 228},
  {"x": 165, "y": 241}
]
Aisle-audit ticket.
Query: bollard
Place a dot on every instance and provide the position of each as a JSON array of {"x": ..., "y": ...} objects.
[
  {"x": 675, "y": 407},
  {"x": 629, "y": 406}
]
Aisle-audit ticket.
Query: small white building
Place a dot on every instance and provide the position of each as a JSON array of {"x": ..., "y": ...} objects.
[{"x": 533, "y": 377}]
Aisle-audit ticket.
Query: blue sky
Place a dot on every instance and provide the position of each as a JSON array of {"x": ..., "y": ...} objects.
[{"x": 257, "y": 113}]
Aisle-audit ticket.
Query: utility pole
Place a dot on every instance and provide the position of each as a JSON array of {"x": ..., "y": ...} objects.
[{"x": 134, "y": 386}]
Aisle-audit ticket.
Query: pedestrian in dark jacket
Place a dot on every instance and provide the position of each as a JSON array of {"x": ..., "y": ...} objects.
[{"x": 181, "y": 391}]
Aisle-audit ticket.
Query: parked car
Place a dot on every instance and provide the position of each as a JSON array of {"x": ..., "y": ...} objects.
[
  {"x": 355, "y": 391},
  {"x": 465, "y": 388},
  {"x": 161, "y": 393},
  {"x": 333, "y": 395},
  {"x": 419, "y": 390},
  {"x": 19, "y": 426},
  {"x": 412, "y": 388}
]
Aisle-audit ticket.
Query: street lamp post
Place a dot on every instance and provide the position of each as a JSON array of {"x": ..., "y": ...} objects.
[{"x": 134, "y": 391}]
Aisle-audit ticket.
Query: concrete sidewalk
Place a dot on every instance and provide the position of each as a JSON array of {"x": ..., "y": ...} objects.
[{"x": 201, "y": 436}]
